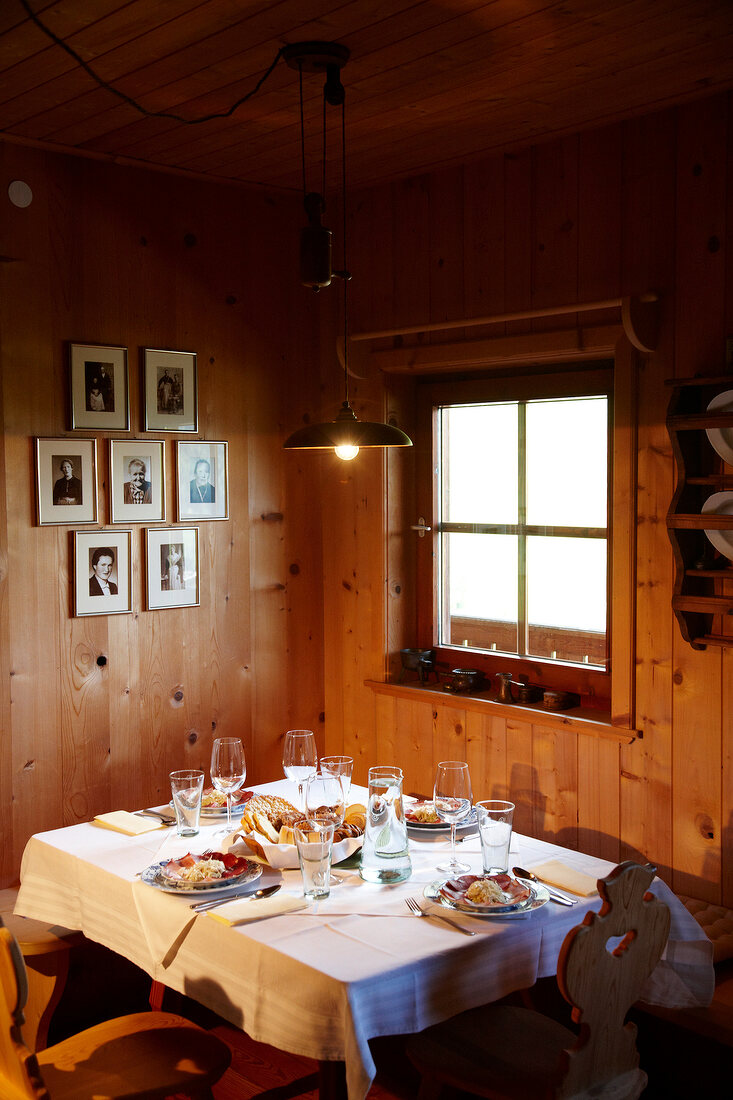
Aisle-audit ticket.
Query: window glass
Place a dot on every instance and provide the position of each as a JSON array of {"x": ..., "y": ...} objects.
[
  {"x": 523, "y": 547},
  {"x": 567, "y": 473},
  {"x": 479, "y": 485}
]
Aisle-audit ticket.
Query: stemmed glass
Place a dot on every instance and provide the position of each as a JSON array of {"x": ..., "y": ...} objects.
[
  {"x": 452, "y": 800},
  {"x": 228, "y": 770},
  {"x": 300, "y": 758}
]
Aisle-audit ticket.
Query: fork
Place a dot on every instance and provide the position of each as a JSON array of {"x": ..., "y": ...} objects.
[{"x": 414, "y": 906}]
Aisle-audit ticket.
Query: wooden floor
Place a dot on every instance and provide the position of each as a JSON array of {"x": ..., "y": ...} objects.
[{"x": 102, "y": 985}]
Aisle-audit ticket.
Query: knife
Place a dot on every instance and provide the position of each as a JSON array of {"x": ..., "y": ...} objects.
[
  {"x": 202, "y": 906},
  {"x": 166, "y": 819}
]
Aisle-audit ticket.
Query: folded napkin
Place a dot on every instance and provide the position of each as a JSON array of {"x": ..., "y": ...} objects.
[
  {"x": 123, "y": 822},
  {"x": 556, "y": 873},
  {"x": 243, "y": 910}
]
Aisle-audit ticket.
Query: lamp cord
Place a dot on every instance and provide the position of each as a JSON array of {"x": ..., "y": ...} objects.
[
  {"x": 133, "y": 102},
  {"x": 302, "y": 129},
  {"x": 346, "y": 274}
]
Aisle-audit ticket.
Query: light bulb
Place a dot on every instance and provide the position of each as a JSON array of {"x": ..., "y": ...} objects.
[{"x": 347, "y": 451}]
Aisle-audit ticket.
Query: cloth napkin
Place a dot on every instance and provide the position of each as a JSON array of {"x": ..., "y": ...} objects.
[
  {"x": 123, "y": 822},
  {"x": 557, "y": 873},
  {"x": 243, "y": 910}
]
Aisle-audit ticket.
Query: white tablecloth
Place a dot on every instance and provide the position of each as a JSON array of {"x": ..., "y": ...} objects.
[{"x": 323, "y": 981}]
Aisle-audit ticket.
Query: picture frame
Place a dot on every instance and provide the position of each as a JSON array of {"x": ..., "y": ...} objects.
[
  {"x": 136, "y": 480},
  {"x": 171, "y": 567},
  {"x": 99, "y": 387},
  {"x": 202, "y": 479},
  {"x": 170, "y": 391},
  {"x": 66, "y": 481},
  {"x": 102, "y": 572}
]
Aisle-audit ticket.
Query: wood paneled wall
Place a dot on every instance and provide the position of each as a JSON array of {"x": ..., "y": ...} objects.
[
  {"x": 118, "y": 256},
  {"x": 309, "y": 590},
  {"x": 639, "y": 206}
]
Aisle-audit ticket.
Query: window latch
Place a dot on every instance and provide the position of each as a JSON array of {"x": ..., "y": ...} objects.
[{"x": 421, "y": 527}]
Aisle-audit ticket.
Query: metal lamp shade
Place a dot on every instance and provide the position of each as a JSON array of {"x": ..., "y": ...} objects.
[{"x": 347, "y": 431}]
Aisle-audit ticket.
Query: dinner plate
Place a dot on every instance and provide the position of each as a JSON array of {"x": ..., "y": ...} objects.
[
  {"x": 722, "y": 438},
  {"x": 155, "y": 875},
  {"x": 220, "y": 812},
  {"x": 438, "y": 826},
  {"x": 720, "y": 504},
  {"x": 539, "y": 895}
]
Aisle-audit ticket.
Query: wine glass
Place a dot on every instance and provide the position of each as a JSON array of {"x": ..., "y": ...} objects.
[
  {"x": 452, "y": 800},
  {"x": 342, "y": 766},
  {"x": 228, "y": 770},
  {"x": 300, "y": 758}
]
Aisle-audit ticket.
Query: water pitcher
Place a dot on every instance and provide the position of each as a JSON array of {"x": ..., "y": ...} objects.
[{"x": 384, "y": 854}]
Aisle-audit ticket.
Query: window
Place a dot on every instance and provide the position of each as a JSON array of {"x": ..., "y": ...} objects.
[{"x": 520, "y": 545}]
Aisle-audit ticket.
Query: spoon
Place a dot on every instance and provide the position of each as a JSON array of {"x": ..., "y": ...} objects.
[
  {"x": 265, "y": 892},
  {"x": 561, "y": 899}
]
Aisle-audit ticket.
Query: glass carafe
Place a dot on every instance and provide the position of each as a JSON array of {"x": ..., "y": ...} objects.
[{"x": 385, "y": 856}]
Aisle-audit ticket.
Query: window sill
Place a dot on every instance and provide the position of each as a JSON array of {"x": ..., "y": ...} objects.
[{"x": 578, "y": 719}]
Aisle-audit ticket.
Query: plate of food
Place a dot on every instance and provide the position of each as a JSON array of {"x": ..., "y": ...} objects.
[
  {"x": 421, "y": 815},
  {"x": 267, "y": 830},
  {"x": 210, "y": 870},
  {"x": 488, "y": 895},
  {"x": 214, "y": 803}
]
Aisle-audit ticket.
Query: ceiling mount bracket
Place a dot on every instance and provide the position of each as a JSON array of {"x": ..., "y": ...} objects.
[{"x": 315, "y": 57}]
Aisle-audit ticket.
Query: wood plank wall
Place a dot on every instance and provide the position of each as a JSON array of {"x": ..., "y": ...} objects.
[
  {"x": 643, "y": 205},
  {"x": 112, "y": 255},
  {"x": 309, "y": 589}
]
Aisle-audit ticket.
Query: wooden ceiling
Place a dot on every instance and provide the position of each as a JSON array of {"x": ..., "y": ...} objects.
[{"x": 430, "y": 82}]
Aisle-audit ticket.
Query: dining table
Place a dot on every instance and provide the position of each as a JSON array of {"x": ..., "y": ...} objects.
[{"x": 322, "y": 980}]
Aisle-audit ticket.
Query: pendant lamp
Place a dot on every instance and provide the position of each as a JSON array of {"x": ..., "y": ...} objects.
[{"x": 346, "y": 435}]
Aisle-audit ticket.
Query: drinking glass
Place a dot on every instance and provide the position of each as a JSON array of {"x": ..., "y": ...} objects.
[
  {"x": 300, "y": 758},
  {"x": 228, "y": 769},
  {"x": 342, "y": 766},
  {"x": 187, "y": 787},
  {"x": 314, "y": 841},
  {"x": 452, "y": 801},
  {"x": 324, "y": 799},
  {"x": 495, "y": 830}
]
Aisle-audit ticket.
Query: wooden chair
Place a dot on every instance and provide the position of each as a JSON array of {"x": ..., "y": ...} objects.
[
  {"x": 502, "y": 1051},
  {"x": 145, "y": 1056}
]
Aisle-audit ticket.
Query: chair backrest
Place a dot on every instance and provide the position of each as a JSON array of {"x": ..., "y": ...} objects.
[
  {"x": 19, "y": 1074},
  {"x": 602, "y": 979}
]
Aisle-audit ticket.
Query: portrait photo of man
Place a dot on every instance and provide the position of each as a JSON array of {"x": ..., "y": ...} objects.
[
  {"x": 67, "y": 488},
  {"x": 201, "y": 488},
  {"x": 102, "y": 561},
  {"x": 137, "y": 489}
]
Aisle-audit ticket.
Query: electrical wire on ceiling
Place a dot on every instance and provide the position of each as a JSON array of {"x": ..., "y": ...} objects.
[{"x": 133, "y": 102}]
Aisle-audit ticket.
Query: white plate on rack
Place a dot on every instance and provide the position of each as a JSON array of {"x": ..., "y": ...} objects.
[
  {"x": 720, "y": 504},
  {"x": 722, "y": 438}
]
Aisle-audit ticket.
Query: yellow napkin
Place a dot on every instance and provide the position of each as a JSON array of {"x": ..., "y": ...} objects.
[
  {"x": 556, "y": 873},
  {"x": 243, "y": 910},
  {"x": 123, "y": 822}
]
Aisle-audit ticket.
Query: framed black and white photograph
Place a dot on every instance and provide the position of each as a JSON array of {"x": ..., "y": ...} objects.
[
  {"x": 137, "y": 480},
  {"x": 102, "y": 572},
  {"x": 172, "y": 567},
  {"x": 202, "y": 480},
  {"x": 169, "y": 387},
  {"x": 66, "y": 481},
  {"x": 99, "y": 387}
]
